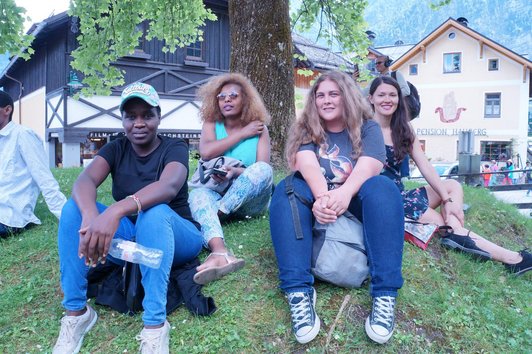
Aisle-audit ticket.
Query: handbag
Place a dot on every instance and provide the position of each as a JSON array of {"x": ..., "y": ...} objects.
[
  {"x": 202, "y": 175},
  {"x": 419, "y": 234}
]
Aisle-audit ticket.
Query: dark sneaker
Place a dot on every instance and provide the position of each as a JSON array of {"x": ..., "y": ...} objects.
[
  {"x": 305, "y": 321},
  {"x": 522, "y": 267},
  {"x": 381, "y": 321},
  {"x": 73, "y": 329},
  {"x": 464, "y": 244},
  {"x": 156, "y": 340}
]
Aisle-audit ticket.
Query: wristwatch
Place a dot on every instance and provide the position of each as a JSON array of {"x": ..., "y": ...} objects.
[{"x": 447, "y": 200}]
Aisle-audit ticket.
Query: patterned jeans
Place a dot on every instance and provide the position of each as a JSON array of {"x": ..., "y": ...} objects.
[{"x": 249, "y": 195}]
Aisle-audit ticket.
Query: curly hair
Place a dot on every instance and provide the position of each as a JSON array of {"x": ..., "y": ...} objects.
[
  {"x": 309, "y": 126},
  {"x": 402, "y": 134},
  {"x": 252, "y": 105}
]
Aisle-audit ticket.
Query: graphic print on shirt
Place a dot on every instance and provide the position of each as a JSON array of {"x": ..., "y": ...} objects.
[{"x": 340, "y": 166}]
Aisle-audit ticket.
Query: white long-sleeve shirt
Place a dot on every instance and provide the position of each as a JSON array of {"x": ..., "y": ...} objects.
[{"x": 23, "y": 173}]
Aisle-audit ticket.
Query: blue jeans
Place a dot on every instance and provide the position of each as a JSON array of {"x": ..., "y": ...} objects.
[
  {"x": 158, "y": 227},
  {"x": 6, "y": 231},
  {"x": 378, "y": 205},
  {"x": 248, "y": 196}
]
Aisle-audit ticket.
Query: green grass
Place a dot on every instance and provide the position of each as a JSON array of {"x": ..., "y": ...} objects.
[{"x": 449, "y": 302}]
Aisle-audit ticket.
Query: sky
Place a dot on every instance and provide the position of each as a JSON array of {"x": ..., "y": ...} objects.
[{"x": 38, "y": 10}]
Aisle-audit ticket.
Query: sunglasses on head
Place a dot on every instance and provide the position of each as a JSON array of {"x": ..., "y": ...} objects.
[{"x": 223, "y": 95}]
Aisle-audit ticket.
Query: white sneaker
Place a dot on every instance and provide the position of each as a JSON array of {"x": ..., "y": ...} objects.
[
  {"x": 156, "y": 340},
  {"x": 73, "y": 329}
]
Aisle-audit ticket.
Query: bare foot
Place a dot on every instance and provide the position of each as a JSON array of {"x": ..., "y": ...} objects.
[{"x": 214, "y": 260}]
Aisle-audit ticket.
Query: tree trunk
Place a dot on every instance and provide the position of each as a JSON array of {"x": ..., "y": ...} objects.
[{"x": 261, "y": 49}]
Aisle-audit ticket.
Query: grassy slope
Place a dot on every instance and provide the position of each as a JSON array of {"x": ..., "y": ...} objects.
[{"x": 448, "y": 303}]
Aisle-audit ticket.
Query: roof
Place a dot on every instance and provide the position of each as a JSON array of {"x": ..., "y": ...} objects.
[
  {"x": 452, "y": 23},
  {"x": 317, "y": 56},
  {"x": 38, "y": 30},
  {"x": 394, "y": 51}
]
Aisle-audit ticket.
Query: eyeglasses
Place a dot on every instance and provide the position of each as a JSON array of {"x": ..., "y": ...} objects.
[{"x": 223, "y": 95}]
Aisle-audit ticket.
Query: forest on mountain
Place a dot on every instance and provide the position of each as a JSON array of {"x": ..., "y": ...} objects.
[{"x": 505, "y": 21}]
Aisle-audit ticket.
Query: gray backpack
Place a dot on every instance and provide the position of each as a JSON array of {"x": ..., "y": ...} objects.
[{"x": 338, "y": 253}]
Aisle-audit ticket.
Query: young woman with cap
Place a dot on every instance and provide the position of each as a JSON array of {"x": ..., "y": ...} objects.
[{"x": 149, "y": 174}]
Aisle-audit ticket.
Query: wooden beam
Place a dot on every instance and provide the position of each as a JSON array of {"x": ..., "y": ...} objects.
[
  {"x": 423, "y": 50},
  {"x": 481, "y": 43}
]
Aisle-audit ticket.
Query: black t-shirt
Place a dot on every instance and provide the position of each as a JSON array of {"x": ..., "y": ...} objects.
[
  {"x": 131, "y": 172},
  {"x": 335, "y": 156}
]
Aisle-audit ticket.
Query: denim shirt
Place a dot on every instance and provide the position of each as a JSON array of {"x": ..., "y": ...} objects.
[{"x": 23, "y": 172}]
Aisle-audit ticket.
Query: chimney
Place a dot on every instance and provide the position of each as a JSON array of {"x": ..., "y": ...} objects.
[
  {"x": 399, "y": 42},
  {"x": 462, "y": 20}
]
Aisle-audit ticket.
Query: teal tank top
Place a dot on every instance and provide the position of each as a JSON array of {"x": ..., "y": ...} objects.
[{"x": 245, "y": 151}]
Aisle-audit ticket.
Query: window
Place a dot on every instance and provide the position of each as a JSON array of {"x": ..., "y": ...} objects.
[
  {"x": 493, "y": 64},
  {"x": 452, "y": 35},
  {"x": 412, "y": 69},
  {"x": 452, "y": 63},
  {"x": 492, "y": 105},
  {"x": 195, "y": 51},
  {"x": 495, "y": 150}
]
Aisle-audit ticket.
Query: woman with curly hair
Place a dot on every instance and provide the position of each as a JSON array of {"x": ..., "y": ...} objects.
[
  {"x": 234, "y": 124},
  {"x": 338, "y": 153}
]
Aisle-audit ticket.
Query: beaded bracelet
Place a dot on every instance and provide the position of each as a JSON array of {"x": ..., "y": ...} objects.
[{"x": 137, "y": 201}]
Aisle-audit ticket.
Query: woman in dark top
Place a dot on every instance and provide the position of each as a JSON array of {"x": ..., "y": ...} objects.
[
  {"x": 420, "y": 203},
  {"x": 149, "y": 175},
  {"x": 338, "y": 150}
]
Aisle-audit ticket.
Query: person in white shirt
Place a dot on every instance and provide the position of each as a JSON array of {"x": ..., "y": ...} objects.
[{"x": 23, "y": 173}]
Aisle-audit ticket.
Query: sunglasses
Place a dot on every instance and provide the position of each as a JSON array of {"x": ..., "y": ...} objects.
[
  {"x": 222, "y": 95},
  {"x": 379, "y": 62}
]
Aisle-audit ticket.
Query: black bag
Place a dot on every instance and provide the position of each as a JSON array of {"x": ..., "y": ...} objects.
[
  {"x": 120, "y": 288},
  {"x": 338, "y": 252},
  {"x": 413, "y": 104}
]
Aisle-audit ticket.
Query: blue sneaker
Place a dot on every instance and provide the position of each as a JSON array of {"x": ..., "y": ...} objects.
[
  {"x": 305, "y": 321},
  {"x": 381, "y": 321}
]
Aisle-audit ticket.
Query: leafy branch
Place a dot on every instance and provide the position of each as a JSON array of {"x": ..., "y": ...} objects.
[
  {"x": 110, "y": 29},
  {"x": 339, "y": 22},
  {"x": 12, "y": 37}
]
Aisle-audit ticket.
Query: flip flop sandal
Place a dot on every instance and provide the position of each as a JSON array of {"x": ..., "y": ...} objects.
[{"x": 214, "y": 273}]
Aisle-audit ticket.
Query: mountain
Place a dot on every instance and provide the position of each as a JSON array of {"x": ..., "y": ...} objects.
[{"x": 507, "y": 22}]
